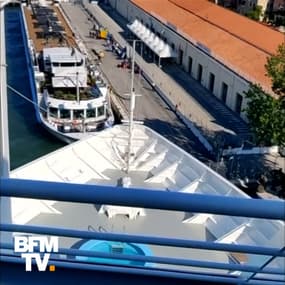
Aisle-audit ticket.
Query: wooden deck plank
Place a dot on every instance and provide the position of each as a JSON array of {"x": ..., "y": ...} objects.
[{"x": 36, "y": 33}]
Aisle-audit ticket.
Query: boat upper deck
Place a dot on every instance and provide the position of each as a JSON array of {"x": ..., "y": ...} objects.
[{"x": 47, "y": 27}]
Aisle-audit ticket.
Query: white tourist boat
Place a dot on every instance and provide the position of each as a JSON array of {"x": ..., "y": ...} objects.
[
  {"x": 70, "y": 107},
  {"x": 73, "y": 99}
]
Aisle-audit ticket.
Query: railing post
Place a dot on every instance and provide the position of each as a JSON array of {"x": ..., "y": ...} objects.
[
  {"x": 5, "y": 202},
  {"x": 4, "y": 134}
]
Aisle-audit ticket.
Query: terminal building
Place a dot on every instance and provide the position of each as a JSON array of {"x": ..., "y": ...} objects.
[{"x": 221, "y": 49}]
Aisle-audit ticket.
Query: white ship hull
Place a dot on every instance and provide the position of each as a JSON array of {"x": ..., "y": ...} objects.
[
  {"x": 71, "y": 97},
  {"x": 68, "y": 137}
]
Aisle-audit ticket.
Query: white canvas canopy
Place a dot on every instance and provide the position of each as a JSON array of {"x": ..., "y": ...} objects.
[{"x": 155, "y": 43}]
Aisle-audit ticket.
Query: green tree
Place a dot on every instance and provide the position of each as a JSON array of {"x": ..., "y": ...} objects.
[
  {"x": 266, "y": 117},
  {"x": 275, "y": 68},
  {"x": 255, "y": 13}
]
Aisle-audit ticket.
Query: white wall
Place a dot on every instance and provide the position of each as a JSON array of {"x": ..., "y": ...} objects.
[{"x": 235, "y": 83}]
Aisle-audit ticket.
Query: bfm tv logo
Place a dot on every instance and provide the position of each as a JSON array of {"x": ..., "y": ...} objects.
[{"x": 28, "y": 245}]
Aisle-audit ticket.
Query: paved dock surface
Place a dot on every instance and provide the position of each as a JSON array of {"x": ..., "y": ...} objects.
[{"x": 150, "y": 107}]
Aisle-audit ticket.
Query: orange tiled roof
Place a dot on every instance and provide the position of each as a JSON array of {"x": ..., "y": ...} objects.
[{"x": 239, "y": 41}]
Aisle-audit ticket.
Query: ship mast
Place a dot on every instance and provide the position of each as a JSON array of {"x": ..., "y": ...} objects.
[
  {"x": 73, "y": 52},
  {"x": 132, "y": 107},
  {"x": 77, "y": 88}
]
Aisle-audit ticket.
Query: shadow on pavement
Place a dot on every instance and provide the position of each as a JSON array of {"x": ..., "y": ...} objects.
[{"x": 180, "y": 136}]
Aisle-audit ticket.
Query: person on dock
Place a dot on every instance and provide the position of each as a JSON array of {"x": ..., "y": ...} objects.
[{"x": 176, "y": 108}]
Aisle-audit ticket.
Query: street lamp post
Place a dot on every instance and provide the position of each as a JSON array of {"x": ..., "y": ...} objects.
[
  {"x": 132, "y": 107},
  {"x": 140, "y": 73},
  {"x": 134, "y": 41},
  {"x": 77, "y": 88}
]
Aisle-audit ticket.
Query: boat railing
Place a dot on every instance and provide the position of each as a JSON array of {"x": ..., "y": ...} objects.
[{"x": 243, "y": 272}]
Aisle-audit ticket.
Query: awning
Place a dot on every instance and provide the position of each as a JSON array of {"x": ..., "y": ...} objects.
[{"x": 155, "y": 43}]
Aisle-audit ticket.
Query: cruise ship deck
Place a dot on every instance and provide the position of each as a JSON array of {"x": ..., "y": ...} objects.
[{"x": 185, "y": 241}]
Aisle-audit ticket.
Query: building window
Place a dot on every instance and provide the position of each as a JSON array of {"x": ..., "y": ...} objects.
[
  {"x": 211, "y": 82},
  {"x": 238, "y": 105},
  {"x": 180, "y": 57},
  {"x": 190, "y": 64},
  {"x": 224, "y": 92},
  {"x": 200, "y": 73}
]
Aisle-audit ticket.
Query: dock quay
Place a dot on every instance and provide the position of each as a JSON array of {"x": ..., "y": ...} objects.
[
  {"x": 207, "y": 131},
  {"x": 203, "y": 123},
  {"x": 119, "y": 79},
  {"x": 150, "y": 107}
]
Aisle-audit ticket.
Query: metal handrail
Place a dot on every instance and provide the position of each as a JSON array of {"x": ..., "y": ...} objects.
[
  {"x": 158, "y": 259},
  {"x": 84, "y": 193},
  {"x": 143, "y": 239},
  {"x": 177, "y": 201}
]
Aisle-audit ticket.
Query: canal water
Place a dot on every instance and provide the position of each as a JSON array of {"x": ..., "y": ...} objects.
[{"x": 28, "y": 140}]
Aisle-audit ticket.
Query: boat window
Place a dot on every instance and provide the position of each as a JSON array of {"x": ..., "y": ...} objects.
[
  {"x": 53, "y": 112},
  {"x": 78, "y": 114},
  {"x": 79, "y": 63},
  {"x": 47, "y": 65},
  {"x": 101, "y": 111},
  {"x": 68, "y": 64},
  {"x": 91, "y": 113},
  {"x": 65, "y": 114}
]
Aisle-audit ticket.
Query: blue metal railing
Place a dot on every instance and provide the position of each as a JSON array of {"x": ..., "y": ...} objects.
[
  {"x": 176, "y": 201},
  {"x": 156, "y": 200}
]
